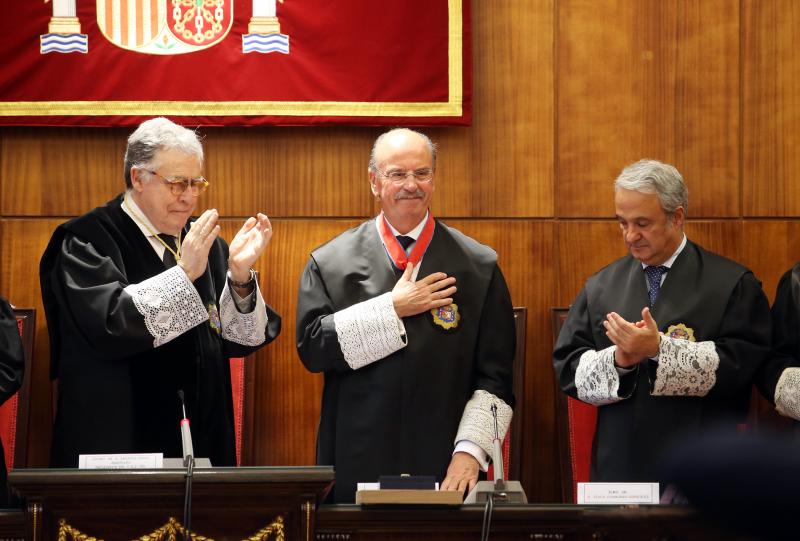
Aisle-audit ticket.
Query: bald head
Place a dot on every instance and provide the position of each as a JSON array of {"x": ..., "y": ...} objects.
[{"x": 395, "y": 140}]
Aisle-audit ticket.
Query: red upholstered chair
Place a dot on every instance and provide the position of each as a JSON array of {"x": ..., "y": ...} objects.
[
  {"x": 576, "y": 423},
  {"x": 238, "y": 392},
  {"x": 512, "y": 443},
  {"x": 14, "y": 412}
]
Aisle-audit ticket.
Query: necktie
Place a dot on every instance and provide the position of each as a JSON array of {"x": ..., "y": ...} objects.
[
  {"x": 405, "y": 241},
  {"x": 169, "y": 258},
  {"x": 654, "y": 274}
]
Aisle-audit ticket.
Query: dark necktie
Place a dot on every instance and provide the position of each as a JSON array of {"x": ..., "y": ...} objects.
[
  {"x": 654, "y": 274},
  {"x": 169, "y": 257},
  {"x": 405, "y": 241}
]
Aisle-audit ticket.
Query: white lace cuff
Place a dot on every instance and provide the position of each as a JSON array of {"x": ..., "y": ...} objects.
[
  {"x": 369, "y": 331},
  {"x": 787, "y": 393},
  {"x": 596, "y": 378},
  {"x": 685, "y": 368},
  {"x": 245, "y": 329},
  {"x": 477, "y": 421},
  {"x": 169, "y": 304}
]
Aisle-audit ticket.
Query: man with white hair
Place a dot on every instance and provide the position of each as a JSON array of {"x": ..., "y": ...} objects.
[
  {"x": 142, "y": 302},
  {"x": 666, "y": 340}
]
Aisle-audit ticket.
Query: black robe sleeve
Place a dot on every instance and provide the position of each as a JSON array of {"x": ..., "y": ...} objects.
[
  {"x": 496, "y": 346},
  {"x": 785, "y": 327},
  {"x": 317, "y": 341}
]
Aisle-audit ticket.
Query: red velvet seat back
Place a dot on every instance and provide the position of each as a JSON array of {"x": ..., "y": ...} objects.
[
  {"x": 582, "y": 425},
  {"x": 237, "y": 388}
]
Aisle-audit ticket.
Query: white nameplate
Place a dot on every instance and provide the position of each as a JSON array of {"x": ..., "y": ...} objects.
[
  {"x": 130, "y": 461},
  {"x": 617, "y": 493}
]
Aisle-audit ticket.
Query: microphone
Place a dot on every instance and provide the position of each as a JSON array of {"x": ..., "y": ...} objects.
[
  {"x": 188, "y": 462},
  {"x": 497, "y": 452},
  {"x": 186, "y": 434}
]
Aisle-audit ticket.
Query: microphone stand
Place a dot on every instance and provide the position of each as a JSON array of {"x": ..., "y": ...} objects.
[{"x": 188, "y": 463}]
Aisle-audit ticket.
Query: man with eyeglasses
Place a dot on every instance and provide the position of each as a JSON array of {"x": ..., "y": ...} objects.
[
  {"x": 142, "y": 302},
  {"x": 412, "y": 325}
]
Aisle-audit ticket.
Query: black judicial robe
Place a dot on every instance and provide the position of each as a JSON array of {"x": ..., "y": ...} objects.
[
  {"x": 721, "y": 301},
  {"x": 401, "y": 413},
  {"x": 117, "y": 393},
  {"x": 785, "y": 333},
  {"x": 12, "y": 368}
]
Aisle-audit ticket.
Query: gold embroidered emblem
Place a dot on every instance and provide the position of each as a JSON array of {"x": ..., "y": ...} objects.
[
  {"x": 681, "y": 331},
  {"x": 447, "y": 317}
]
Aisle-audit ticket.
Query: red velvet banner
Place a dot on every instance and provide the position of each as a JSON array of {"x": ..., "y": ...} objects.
[{"x": 235, "y": 62}]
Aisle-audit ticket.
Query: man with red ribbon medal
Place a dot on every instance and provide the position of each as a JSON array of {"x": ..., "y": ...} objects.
[{"x": 412, "y": 324}]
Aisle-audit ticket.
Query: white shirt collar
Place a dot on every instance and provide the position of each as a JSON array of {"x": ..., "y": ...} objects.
[
  {"x": 669, "y": 262},
  {"x": 137, "y": 215},
  {"x": 414, "y": 233}
]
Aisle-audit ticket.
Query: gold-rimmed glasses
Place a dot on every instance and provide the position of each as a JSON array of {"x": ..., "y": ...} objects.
[
  {"x": 178, "y": 185},
  {"x": 398, "y": 176}
]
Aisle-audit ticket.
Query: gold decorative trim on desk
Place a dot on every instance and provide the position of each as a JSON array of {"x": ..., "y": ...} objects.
[{"x": 174, "y": 530}]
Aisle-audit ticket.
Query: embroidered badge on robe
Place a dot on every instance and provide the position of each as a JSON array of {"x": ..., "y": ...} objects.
[
  {"x": 446, "y": 317},
  {"x": 213, "y": 318},
  {"x": 681, "y": 331}
]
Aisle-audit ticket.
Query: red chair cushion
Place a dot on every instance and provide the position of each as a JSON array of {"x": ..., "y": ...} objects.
[
  {"x": 582, "y": 425},
  {"x": 237, "y": 388}
]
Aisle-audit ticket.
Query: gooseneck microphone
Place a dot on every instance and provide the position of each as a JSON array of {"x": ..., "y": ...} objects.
[
  {"x": 188, "y": 462},
  {"x": 186, "y": 434}
]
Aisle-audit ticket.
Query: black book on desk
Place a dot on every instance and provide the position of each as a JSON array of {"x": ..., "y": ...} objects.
[{"x": 407, "y": 482}]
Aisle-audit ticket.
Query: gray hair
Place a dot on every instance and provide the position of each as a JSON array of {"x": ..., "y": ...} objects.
[
  {"x": 653, "y": 176},
  {"x": 373, "y": 162},
  {"x": 154, "y": 135}
]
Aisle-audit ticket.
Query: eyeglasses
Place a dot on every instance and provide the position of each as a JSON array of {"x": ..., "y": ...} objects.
[
  {"x": 399, "y": 176},
  {"x": 178, "y": 185}
]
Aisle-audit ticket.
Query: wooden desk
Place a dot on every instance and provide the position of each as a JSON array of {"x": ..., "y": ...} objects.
[
  {"x": 518, "y": 522},
  {"x": 227, "y": 503}
]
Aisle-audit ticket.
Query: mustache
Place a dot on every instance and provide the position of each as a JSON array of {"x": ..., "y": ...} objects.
[{"x": 418, "y": 194}]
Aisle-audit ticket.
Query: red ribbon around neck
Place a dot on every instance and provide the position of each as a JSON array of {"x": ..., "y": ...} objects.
[{"x": 396, "y": 252}]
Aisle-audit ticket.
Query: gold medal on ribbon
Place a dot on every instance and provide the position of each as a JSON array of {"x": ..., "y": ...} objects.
[
  {"x": 446, "y": 317},
  {"x": 213, "y": 318}
]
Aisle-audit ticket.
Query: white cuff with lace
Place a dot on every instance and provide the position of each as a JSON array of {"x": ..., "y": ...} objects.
[
  {"x": 169, "y": 304},
  {"x": 369, "y": 331},
  {"x": 685, "y": 368},
  {"x": 477, "y": 421},
  {"x": 787, "y": 393},
  {"x": 596, "y": 378},
  {"x": 247, "y": 329}
]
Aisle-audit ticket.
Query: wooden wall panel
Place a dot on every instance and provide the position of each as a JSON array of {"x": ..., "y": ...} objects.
[
  {"x": 59, "y": 171},
  {"x": 769, "y": 249},
  {"x": 503, "y": 165},
  {"x": 526, "y": 250},
  {"x": 648, "y": 79},
  {"x": 289, "y": 171},
  {"x": 584, "y": 247},
  {"x": 771, "y": 107}
]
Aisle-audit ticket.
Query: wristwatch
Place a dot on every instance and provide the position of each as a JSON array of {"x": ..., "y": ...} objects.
[{"x": 247, "y": 283}]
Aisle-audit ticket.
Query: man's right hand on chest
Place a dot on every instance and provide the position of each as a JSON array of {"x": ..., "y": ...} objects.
[{"x": 411, "y": 298}]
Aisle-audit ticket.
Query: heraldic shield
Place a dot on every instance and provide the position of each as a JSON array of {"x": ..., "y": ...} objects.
[{"x": 165, "y": 26}]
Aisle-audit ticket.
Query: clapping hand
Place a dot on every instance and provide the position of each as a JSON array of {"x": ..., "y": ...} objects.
[{"x": 248, "y": 245}]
